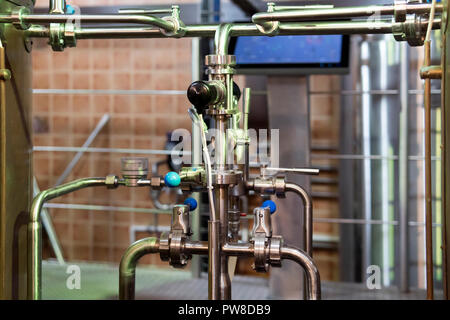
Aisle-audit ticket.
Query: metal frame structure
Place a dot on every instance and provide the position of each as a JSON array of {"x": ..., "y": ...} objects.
[{"x": 226, "y": 178}]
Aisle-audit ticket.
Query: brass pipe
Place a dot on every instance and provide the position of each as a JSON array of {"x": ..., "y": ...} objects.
[
  {"x": 127, "y": 269},
  {"x": 311, "y": 271},
  {"x": 34, "y": 271},
  {"x": 428, "y": 185},
  {"x": 431, "y": 72}
]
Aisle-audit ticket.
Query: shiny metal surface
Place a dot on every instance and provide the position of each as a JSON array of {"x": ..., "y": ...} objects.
[
  {"x": 311, "y": 271},
  {"x": 34, "y": 272},
  {"x": 176, "y": 246},
  {"x": 128, "y": 264},
  {"x": 15, "y": 158}
]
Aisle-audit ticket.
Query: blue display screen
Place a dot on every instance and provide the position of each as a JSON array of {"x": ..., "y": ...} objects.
[{"x": 323, "y": 49}]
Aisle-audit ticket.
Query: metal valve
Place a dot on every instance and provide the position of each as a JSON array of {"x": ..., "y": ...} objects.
[
  {"x": 180, "y": 219},
  {"x": 171, "y": 244},
  {"x": 266, "y": 247},
  {"x": 203, "y": 94},
  {"x": 262, "y": 223}
]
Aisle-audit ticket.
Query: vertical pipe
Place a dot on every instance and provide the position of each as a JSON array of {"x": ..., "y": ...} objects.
[
  {"x": 308, "y": 215},
  {"x": 444, "y": 151},
  {"x": 222, "y": 209},
  {"x": 428, "y": 191},
  {"x": 196, "y": 146},
  {"x": 34, "y": 268},
  {"x": 214, "y": 260},
  {"x": 221, "y": 142},
  {"x": 366, "y": 148},
  {"x": 246, "y": 98},
  {"x": 403, "y": 171},
  {"x": 57, "y": 6},
  {"x": 48, "y": 225}
]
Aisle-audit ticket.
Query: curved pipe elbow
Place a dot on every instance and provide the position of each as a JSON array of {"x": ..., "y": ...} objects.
[
  {"x": 306, "y": 197},
  {"x": 261, "y": 18},
  {"x": 46, "y": 195},
  {"x": 127, "y": 268},
  {"x": 311, "y": 271},
  {"x": 222, "y": 38}
]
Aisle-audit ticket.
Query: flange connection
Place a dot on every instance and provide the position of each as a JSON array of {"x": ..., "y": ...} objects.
[
  {"x": 171, "y": 245},
  {"x": 410, "y": 30},
  {"x": 62, "y": 35}
]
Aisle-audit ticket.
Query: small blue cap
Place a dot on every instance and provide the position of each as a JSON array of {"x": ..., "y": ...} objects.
[
  {"x": 272, "y": 205},
  {"x": 192, "y": 203},
  {"x": 172, "y": 179},
  {"x": 70, "y": 9}
]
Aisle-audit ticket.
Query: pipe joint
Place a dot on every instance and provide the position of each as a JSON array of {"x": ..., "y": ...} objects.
[{"x": 17, "y": 16}]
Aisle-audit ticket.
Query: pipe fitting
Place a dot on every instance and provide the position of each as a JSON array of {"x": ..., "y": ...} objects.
[
  {"x": 411, "y": 30},
  {"x": 17, "y": 18},
  {"x": 62, "y": 35},
  {"x": 179, "y": 29}
]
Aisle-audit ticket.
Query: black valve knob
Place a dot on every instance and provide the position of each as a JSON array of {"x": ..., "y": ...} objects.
[
  {"x": 236, "y": 91},
  {"x": 201, "y": 95}
]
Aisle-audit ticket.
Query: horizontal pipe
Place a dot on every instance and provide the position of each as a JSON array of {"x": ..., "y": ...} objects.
[
  {"x": 34, "y": 274},
  {"x": 336, "y": 13},
  {"x": 311, "y": 271},
  {"x": 91, "y": 18},
  {"x": 111, "y": 92},
  {"x": 108, "y": 150},
  {"x": 364, "y": 157},
  {"x": 127, "y": 269},
  {"x": 431, "y": 72},
  {"x": 76, "y": 206},
  {"x": 309, "y": 28}
]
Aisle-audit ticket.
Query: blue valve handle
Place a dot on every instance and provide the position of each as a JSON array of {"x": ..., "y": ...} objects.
[
  {"x": 70, "y": 9},
  {"x": 192, "y": 203},
  {"x": 172, "y": 179},
  {"x": 272, "y": 206}
]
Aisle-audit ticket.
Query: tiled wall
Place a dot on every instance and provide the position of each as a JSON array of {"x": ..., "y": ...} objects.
[{"x": 139, "y": 121}]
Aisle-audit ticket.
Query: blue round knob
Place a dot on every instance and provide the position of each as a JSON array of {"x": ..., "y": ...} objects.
[
  {"x": 192, "y": 203},
  {"x": 70, "y": 9},
  {"x": 172, "y": 179},
  {"x": 272, "y": 206}
]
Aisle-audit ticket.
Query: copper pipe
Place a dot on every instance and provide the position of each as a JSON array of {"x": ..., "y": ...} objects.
[
  {"x": 431, "y": 72},
  {"x": 428, "y": 186}
]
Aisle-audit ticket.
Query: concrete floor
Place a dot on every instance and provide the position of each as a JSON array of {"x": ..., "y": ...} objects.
[{"x": 100, "y": 281}]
